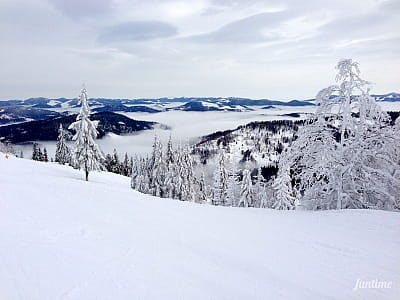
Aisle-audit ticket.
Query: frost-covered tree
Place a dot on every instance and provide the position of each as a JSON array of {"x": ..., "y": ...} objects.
[
  {"x": 259, "y": 189},
  {"x": 343, "y": 156},
  {"x": 45, "y": 156},
  {"x": 126, "y": 166},
  {"x": 220, "y": 187},
  {"x": 63, "y": 153},
  {"x": 283, "y": 191},
  {"x": 171, "y": 171},
  {"x": 7, "y": 148},
  {"x": 202, "y": 190},
  {"x": 246, "y": 191},
  {"x": 157, "y": 169},
  {"x": 135, "y": 172},
  {"x": 232, "y": 185},
  {"x": 187, "y": 175},
  {"x": 115, "y": 165},
  {"x": 88, "y": 155},
  {"x": 35, "y": 152},
  {"x": 179, "y": 182}
]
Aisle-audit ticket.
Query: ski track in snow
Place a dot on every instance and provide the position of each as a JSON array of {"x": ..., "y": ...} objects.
[{"x": 64, "y": 238}]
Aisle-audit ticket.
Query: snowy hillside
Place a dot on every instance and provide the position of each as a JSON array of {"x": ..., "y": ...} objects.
[{"x": 64, "y": 238}]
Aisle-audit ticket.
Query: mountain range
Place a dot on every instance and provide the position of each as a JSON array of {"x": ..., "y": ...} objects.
[{"x": 47, "y": 130}]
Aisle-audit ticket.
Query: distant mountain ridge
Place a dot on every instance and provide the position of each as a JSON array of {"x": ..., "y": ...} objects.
[
  {"x": 47, "y": 130},
  {"x": 18, "y": 111}
]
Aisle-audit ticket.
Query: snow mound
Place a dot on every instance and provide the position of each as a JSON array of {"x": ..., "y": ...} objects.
[{"x": 64, "y": 238}]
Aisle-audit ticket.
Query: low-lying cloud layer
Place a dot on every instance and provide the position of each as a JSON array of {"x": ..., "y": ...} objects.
[{"x": 277, "y": 49}]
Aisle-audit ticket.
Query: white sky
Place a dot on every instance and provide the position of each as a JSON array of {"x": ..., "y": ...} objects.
[{"x": 160, "y": 48}]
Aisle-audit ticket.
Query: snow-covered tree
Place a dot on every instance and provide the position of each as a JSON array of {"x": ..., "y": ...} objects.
[
  {"x": 246, "y": 191},
  {"x": 202, "y": 190},
  {"x": 232, "y": 184},
  {"x": 187, "y": 175},
  {"x": 88, "y": 155},
  {"x": 157, "y": 169},
  {"x": 171, "y": 171},
  {"x": 35, "y": 152},
  {"x": 7, "y": 148},
  {"x": 259, "y": 187},
  {"x": 283, "y": 191},
  {"x": 63, "y": 153},
  {"x": 342, "y": 157},
  {"x": 179, "y": 182},
  {"x": 220, "y": 187},
  {"x": 115, "y": 165},
  {"x": 45, "y": 156},
  {"x": 126, "y": 168}
]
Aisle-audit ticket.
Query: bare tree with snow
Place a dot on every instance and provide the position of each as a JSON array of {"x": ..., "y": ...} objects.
[{"x": 343, "y": 157}]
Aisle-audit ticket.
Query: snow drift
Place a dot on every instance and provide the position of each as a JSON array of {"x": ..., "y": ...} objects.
[{"x": 64, "y": 238}]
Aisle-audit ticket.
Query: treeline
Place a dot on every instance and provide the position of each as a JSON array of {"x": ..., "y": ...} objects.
[
  {"x": 64, "y": 155},
  {"x": 173, "y": 173}
]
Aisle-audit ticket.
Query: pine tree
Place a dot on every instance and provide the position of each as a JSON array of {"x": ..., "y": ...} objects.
[
  {"x": 157, "y": 170},
  {"x": 246, "y": 192},
  {"x": 45, "y": 157},
  {"x": 220, "y": 188},
  {"x": 108, "y": 162},
  {"x": 202, "y": 190},
  {"x": 283, "y": 191},
  {"x": 187, "y": 175},
  {"x": 40, "y": 155},
  {"x": 126, "y": 166},
  {"x": 259, "y": 190},
  {"x": 171, "y": 171},
  {"x": 179, "y": 182},
  {"x": 63, "y": 153},
  {"x": 115, "y": 163},
  {"x": 87, "y": 153},
  {"x": 35, "y": 152},
  {"x": 232, "y": 184},
  {"x": 135, "y": 173}
]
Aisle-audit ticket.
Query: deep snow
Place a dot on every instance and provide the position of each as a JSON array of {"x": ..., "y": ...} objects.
[{"x": 64, "y": 238}]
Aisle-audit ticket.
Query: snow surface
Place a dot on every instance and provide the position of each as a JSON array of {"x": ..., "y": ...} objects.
[{"x": 64, "y": 238}]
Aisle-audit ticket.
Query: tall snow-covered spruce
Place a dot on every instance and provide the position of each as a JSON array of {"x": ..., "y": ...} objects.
[{"x": 88, "y": 155}]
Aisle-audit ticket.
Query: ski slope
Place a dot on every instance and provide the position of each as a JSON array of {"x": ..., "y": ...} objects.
[{"x": 64, "y": 238}]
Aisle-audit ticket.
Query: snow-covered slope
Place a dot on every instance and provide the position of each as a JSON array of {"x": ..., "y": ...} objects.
[{"x": 64, "y": 238}]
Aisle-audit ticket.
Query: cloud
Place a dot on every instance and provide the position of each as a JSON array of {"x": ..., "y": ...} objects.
[
  {"x": 137, "y": 31},
  {"x": 253, "y": 29},
  {"x": 250, "y": 48},
  {"x": 77, "y": 9}
]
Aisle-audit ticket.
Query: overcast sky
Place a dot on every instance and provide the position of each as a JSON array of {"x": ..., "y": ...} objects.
[{"x": 279, "y": 49}]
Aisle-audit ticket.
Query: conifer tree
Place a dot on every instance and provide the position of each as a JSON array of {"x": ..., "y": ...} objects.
[
  {"x": 35, "y": 151},
  {"x": 45, "y": 157},
  {"x": 115, "y": 163},
  {"x": 63, "y": 153},
  {"x": 283, "y": 191},
  {"x": 157, "y": 170},
  {"x": 126, "y": 166},
  {"x": 246, "y": 192},
  {"x": 171, "y": 171},
  {"x": 220, "y": 188},
  {"x": 88, "y": 155},
  {"x": 202, "y": 190},
  {"x": 40, "y": 154}
]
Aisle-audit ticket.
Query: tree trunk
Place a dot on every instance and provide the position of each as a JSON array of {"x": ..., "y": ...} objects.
[{"x": 87, "y": 175}]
